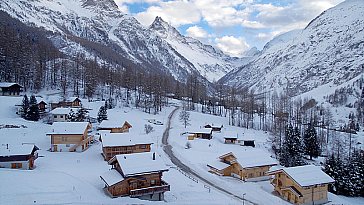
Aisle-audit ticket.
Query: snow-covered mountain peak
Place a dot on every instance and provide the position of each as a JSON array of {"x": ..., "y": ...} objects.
[
  {"x": 107, "y": 5},
  {"x": 164, "y": 29}
]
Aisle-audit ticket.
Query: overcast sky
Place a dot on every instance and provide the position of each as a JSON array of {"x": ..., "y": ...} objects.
[{"x": 234, "y": 26}]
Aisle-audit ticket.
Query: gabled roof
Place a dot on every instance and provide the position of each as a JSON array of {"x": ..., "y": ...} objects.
[
  {"x": 227, "y": 154},
  {"x": 218, "y": 165},
  {"x": 14, "y": 150},
  {"x": 230, "y": 135},
  {"x": 61, "y": 111},
  {"x": 254, "y": 158},
  {"x": 113, "y": 124},
  {"x": 111, "y": 177},
  {"x": 123, "y": 139},
  {"x": 139, "y": 163},
  {"x": 7, "y": 84},
  {"x": 307, "y": 175},
  {"x": 202, "y": 131},
  {"x": 214, "y": 125},
  {"x": 72, "y": 99},
  {"x": 69, "y": 128}
]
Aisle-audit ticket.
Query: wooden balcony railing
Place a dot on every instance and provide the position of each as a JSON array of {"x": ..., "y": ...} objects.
[
  {"x": 83, "y": 142},
  {"x": 150, "y": 190}
]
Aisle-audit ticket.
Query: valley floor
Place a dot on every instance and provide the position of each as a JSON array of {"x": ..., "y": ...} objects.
[{"x": 73, "y": 178}]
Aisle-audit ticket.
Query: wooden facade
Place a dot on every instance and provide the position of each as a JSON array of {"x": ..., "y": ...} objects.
[
  {"x": 215, "y": 128},
  {"x": 10, "y": 89},
  {"x": 70, "y": 142},
  {"x": 19, "y": 158},
  {"x": 73, "y": 102},
  {"x": 239, "y": 170},
  {"x": 143, "y": 183},
  {"x": 110, "y": 151},
  {"x": 115, "y": 128},
  {"x": 289, "y": 188},
  {"x": 42, "y": 106}
]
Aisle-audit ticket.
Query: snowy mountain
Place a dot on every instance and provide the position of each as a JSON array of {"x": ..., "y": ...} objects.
[
  {"x": 328, "y": 51},
  {"x": 209, "y": 61},
  {"x": 89, "y": 25}
]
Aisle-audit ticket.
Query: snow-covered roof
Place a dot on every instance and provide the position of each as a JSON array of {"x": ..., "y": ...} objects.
[
  {"x": 215, "y": 125},
  {"x": 112, "y": 123},
  {"x": 123, "y": 139},
  {"x": 61, "y": 111},
  {"x": 71, "y": 99},
  {"x": 69, "y": 128},
  {"x": 307, "y": 175},
  {"x": 140, "y": 163},
  {"x": 12, "y": 150},
  {"x": 111, "y": 177},
  {"x": 230, "y": 134},
  {"x": 254, "y": 158},
  {"x": 218, "y": 165},
  {"x": 201, "y": 131},
  {"x": 7, "y": 84}
]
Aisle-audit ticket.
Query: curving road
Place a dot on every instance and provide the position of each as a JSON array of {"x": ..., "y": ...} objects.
[{"x": 167, "y": 148}]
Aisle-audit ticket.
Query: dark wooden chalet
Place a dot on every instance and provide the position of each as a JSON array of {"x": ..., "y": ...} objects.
[
  {"x": 71, "y": 102},
  {"x": 10, "y": 89},
  {"x": 204, "y": 133},
  {"x": 136, "y": 175},
  {"x": 18, "y": 157},
  {"x": 215, "y": 128},
  {"x": 42, "y": 106}
]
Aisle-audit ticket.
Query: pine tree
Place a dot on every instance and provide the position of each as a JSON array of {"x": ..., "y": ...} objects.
[
  {"x": 355, "y": 172},
  {"x": 291, "y": 153},
  {"x": 33, "y": 113},
  {"x": 310, "y": 142},
  {"x": 184, "y": 117},
  {"x": 81, "y": 115},
  {"x": 25, "y": 106},
  {"x": 72, "y": 116},
  {"x": 102, "y": 115}
]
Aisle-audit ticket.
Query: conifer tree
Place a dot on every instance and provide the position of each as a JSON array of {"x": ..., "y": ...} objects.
[
  {"x": 310, "y": 142},
  {"x": 102, "y": 115},
  {"x": 24, "y": 106},
  {"x": 291, "y": 153},
  {"x": 33, "y": 113}
]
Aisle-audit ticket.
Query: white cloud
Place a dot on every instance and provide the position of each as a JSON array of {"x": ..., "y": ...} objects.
[
  {"x": 175, "y": 12},
  {"x": 196, "y": 32},
  {"x": 232, "y": 45}
]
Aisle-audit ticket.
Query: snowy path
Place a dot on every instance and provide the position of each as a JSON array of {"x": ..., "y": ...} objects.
[{"x": 168, "y": 150}]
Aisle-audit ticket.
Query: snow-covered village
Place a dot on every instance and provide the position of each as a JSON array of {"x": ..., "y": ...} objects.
[{"x": 182, "y": 102}]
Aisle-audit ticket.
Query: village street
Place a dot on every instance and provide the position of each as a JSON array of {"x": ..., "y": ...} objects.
[{"x": 168, "y": 150}]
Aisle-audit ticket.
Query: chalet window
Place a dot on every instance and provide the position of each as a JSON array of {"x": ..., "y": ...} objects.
[
  {"x": 61, "y": 116},
  {"x": 250, "y": 175},
  {"x": 143, "y": 146},
  {"x": 16, "y": 165},
  {"x": 67, "y": 145},
  {"x": 64, "y": 139},
  {"x": 152, "y": 182},
  {"x": 55, "y": 116}
]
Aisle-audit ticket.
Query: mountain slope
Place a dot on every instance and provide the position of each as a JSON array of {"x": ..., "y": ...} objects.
[
  {"x": 72, "y": 22},
  {"x": 328, "y": 50},
  {"x": 209, "y": 61}
]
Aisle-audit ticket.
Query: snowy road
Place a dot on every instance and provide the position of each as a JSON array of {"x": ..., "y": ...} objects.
[{"x": 168, "y": 150}]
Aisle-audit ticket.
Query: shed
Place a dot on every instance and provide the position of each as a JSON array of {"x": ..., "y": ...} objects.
[{"x": 10, "y": 89}]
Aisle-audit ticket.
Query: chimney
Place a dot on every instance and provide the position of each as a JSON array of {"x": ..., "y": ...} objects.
[{"x": 153, "y": 155}]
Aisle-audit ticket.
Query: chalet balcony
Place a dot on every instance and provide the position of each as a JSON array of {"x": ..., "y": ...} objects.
[{"x": 150, "y": 190}]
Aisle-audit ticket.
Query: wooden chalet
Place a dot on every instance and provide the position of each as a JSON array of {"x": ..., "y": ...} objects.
[
  {"x": 70, "y": 102},
  {"x": 230, "y": 137},
  {"x": 215, "y": 128},
  {"x": 42, "y": 106},
  {"x": 70, "y": 136},
  {"x": 246, "y": 142},
  {"x": 18, "y": 157},
  {"x": 114, "y": 126},
  {"x": 60, "y": 114},
  {"x": 123, "y": 143},
  {"x": 136, "y": 175},
  {"x": 10, "y": 89},
  {"x": 203, "y": 133},
  {"x": 302, "y": 184},
  {"x": 249, "y": 164}
]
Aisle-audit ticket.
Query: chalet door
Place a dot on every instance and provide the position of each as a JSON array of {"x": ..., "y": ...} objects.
[{"x": 55, "y": 148}]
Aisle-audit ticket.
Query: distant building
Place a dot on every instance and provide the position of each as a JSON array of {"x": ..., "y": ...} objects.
[
  {"x": 10, "y": 89},
  {"x": 249, "y": 164},
  {"x": 115, "y": 126},
  {"x": 74, "y": 102},
  {"x": 230, "y": 137},
  {"x": 18, "y": 157},
  {"x": 203, "y": 133},
  {"x": 42, "y": 106},
  {"x": 70, "y": 136},
  {"x": 123, "y": 143},
  {"x": 60, "y": 114},
  {"x": 136, "y": 175},
  {"x": 302, "y": 184},
  {"x": 215, "y": 128}
]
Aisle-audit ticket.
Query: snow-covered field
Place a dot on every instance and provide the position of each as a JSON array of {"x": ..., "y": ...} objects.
[{"x": 73, "y": 178}]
